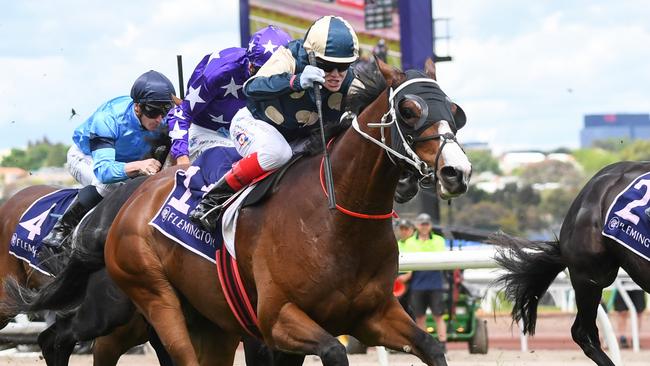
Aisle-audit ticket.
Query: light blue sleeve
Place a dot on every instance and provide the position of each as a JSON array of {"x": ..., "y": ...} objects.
[
  {"x": 103, "y": 134},
  {"x": 106, "y": 169}
]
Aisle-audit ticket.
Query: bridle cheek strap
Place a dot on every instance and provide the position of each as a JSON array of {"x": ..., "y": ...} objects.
[
  {"x": 416, "y": 162},
  {"x": 445, "y": 137}
]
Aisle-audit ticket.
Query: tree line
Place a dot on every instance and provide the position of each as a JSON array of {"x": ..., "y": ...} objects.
[
  {"x": 37, "y": 154},
  {"x": 521, "y": 209}
]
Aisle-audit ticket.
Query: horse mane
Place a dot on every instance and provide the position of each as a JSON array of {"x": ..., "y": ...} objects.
[
  {"x": 160, "y": 145},
  {"x": 314, "y": 146},
  {"x": 368, "y": 84}
]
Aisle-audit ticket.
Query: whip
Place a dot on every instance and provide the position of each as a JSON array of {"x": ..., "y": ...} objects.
[
  {"x": 179, "y": 66},
  {"x": 329, "y": 179}
]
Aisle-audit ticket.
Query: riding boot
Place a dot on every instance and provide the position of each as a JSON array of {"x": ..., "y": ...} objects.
[
  {"x": 208, "y": 211},
  {"x": 87, "y": 198},
  {"x": 66, "y": 224}
]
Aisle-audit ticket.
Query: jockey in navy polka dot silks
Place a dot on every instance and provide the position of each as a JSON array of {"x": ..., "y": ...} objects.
[
  {"x": 281, "y": 107},
  {"x": 214, "y": 94}
]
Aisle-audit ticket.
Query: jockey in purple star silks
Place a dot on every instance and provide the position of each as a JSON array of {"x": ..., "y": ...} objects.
[
  {"x": 281, "y": 107},
  {"x": 214, "y": 94},
  {"x": 110, "y": 146}
]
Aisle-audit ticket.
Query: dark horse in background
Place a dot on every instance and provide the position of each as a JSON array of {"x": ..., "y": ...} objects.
[
  {"x": 91, "y": 306},
  {"x": 105, "y": 348},
  {"x": 593, "y": 260},
  {"x": 88, "y": 304},
  {"x": 311, "y": 273},
  {"x": 108, "y": 304}
]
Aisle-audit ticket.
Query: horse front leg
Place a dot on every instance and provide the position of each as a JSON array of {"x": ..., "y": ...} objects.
[
  {"x": 57, "y": 342},
  {"x": 140, "y": 275},
  {"x": 109, "y": 348},
  {"x": 257, "y": 353},
  {"x": 393, "y": 328},
  {"x": 291, "y": 330}
]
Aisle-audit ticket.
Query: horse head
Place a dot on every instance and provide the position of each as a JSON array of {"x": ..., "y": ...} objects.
[{"x": 423, "y": 124}]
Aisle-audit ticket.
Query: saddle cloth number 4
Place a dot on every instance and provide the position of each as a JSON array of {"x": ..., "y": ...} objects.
[{"x": 33, "y": 226}]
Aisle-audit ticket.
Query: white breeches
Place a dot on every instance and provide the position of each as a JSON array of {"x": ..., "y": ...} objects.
[
  {"x": 252, "y": 135},
  {"x": 201, "y": 139},
  {"x": 80, "y": 167}
]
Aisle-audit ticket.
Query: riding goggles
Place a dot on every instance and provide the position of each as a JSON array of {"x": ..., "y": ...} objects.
[
  {"x": 330, "y": 66},
  {"x": 154, "y": 110}
]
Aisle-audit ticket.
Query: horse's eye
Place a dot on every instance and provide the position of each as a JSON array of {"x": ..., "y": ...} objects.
[
  {"x": 410, "y": 111},
  {"x": 407, "y": 113}
]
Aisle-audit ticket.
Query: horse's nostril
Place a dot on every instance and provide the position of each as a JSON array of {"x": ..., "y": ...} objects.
[
  {"x": 449, "y": 173},
  {"x": 427, "y": 182}
]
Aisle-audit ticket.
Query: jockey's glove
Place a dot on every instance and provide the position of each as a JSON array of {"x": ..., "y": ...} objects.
[{"x": 310, "y": 75}]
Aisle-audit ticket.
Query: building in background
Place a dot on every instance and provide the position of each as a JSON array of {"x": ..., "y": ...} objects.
[
  {"x": 608, "y": 126},
  {"x": 9, "y": 175},
  {"x": 13, "y": 179}
]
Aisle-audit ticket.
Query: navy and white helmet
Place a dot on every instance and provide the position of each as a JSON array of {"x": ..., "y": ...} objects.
[
  {"x": 264, "y": 42},
  {"x": 332, "y": 39},
  {"x": 152, "y": 86}
]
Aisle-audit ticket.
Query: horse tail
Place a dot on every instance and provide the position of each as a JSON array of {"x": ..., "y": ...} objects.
[
  {"x": 67, "y": 290},
  {"x": 63, "y": 293},
  {"x": 531, "y": 268}
]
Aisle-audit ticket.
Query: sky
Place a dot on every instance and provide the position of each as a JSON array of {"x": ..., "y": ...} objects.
[{"x": 525, "y": 72}]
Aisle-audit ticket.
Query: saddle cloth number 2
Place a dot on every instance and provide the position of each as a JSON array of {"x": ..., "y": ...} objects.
[{"x": 626, "y": 212}]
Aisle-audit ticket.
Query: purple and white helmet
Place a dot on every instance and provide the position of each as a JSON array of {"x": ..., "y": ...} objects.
[{"x": 264, "y": 42}]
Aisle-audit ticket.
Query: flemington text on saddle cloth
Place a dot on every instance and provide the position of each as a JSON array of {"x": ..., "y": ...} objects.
[
  {"x": 627, "y": 222},
  {"x": 191, "y": 185},
  {"x": 36, "y": 222}
]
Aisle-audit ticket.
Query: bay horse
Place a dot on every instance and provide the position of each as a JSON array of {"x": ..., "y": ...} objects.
[
  {"x": 11, "y": 266},
  {"x": 311, "y": 273},
  {"x": 593, "y": 259}
]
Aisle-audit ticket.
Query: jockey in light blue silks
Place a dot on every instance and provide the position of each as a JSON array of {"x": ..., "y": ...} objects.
[
  {"x": 214, "y": 96},
  {"x": 281, "y": 107},
  {"x": 110, "y": 145}
]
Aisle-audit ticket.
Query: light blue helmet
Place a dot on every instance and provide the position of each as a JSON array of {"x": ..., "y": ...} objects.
[
  {"x": 152, "y": 86},
  {"x": 264, "y": 42},
  {"x": 332, "y": 39}
]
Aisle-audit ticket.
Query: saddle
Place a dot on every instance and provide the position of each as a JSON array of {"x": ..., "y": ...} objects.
[{"x": 267, "y": 185}]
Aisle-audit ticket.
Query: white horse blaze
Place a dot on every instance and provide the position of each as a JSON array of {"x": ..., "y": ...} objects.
[{"x": 452, "y": 155}]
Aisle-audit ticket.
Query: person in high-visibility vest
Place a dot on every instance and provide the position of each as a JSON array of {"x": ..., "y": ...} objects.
[
  {"x": 405, "y": 230},
  {"x": 427, "y": 288}
]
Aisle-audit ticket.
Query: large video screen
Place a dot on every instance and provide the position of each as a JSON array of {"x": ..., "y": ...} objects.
[{"x": 373, "y": 21}]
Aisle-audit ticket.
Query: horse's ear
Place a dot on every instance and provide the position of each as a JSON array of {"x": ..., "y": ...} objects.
[
  {"x": 177, "y": 100},
  {"x": 430, "y": 68},
  {"x": 390, "y": 73},
  {"x": 459, "y": 115}
]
